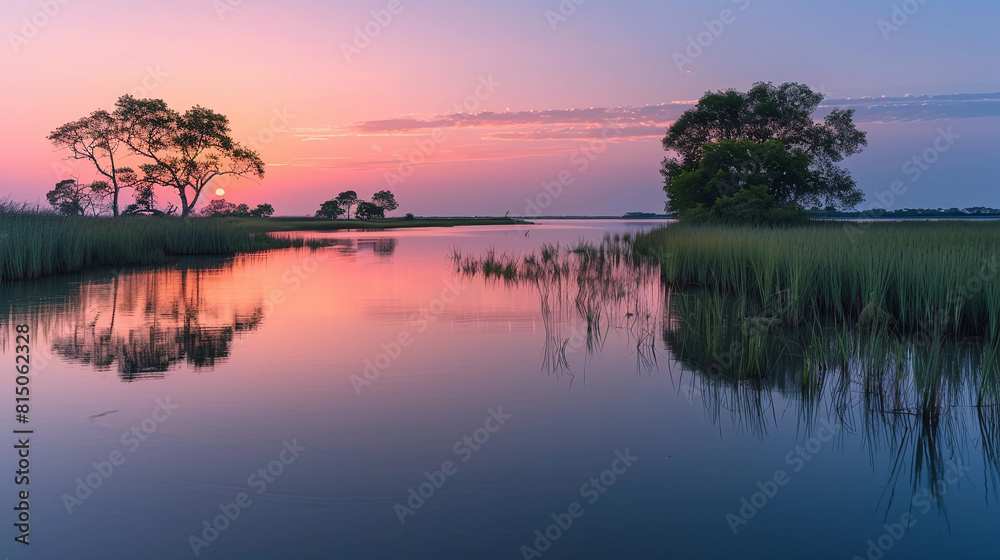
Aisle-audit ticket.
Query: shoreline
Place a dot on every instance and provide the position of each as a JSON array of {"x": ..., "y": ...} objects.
[
  {"x": 287, "y": 224},
  {"x": 37, "y": 245}
]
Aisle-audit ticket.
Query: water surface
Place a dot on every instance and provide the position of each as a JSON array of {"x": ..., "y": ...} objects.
[{"x": 362, "y": 370}]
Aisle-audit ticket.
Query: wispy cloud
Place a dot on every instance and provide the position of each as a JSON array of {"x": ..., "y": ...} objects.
[
  {"x": 490, "y": 136},
  {"x": 921, "y": 108}
]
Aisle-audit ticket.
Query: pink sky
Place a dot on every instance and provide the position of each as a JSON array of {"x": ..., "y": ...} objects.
[{"x": 324, "y": 123}]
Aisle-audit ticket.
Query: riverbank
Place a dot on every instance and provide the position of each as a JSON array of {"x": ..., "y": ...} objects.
[{"x": 34, "y": 244}]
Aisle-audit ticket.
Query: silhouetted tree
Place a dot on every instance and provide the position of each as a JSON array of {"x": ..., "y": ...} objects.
[
  {"x": 72, "y": 198},
  {"x": 145, "y": 203},
  {"x": 347, "y": 199},
  {"x": 219, "y": 207},
  {"x": 98, "y": 139},
  {"x": 330, "y": 210},
  {"x": 385, "y": 200},
  {"x": 262, "y": 211},
  {"x": 369, "y": 211},
  {"x": 187, "y": 150}
]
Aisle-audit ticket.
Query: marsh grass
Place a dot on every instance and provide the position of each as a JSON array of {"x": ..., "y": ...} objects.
[
  {"x": 912, "y": 277},
  {"x": 584, "y": 290},
  {"x": 34, "y": 244},
  {"x": 895, "y": 335}
]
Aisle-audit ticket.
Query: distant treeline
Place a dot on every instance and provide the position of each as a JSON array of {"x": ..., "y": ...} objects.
[
  {"x": 629, "y": 215},
  {"x": 973, "y": 212}
]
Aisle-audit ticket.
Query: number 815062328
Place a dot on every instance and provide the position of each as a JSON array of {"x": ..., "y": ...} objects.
[{"x": 22, "y": 364}]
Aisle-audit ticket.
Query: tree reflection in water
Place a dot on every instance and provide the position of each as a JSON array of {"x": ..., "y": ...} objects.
[
  {"x": 925, "y": 399},
  {"x": 141, "y": 323}
]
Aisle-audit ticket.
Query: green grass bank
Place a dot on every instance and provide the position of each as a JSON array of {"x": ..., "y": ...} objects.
[
  {"x": 935, "y": 277},
  {"x": 35, "y": 244}
]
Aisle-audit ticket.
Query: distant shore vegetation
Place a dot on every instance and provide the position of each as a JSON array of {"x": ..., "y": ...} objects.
[{"x": 35, "y": 242}]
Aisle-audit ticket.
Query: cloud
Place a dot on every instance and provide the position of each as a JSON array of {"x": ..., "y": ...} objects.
[
  {"x": 921, "y": 108},
  {"x": 490, "y": 136},
  {"x": 555, "y": 124},
  {"x": 649, "y": 120}
]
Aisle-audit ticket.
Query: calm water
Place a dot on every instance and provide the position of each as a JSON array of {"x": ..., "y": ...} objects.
[{"x": 307, "y": 392}]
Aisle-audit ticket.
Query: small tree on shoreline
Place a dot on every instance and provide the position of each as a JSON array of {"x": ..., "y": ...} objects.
[
  {"x": 330, "y": 210},
  {"x": 219, "y": 208},
  {"x": 385, "y": 200},
  {"x": 72, "y": 198},
  {"x": 347, "y": 199},
  {"x": 382, "y": 202},
  {"x": 369, "y": 211}
]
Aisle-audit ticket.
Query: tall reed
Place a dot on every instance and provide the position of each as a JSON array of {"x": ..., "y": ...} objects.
[
  {"x": 35, "y": 244},
  {"x": 924, "y": 276}
]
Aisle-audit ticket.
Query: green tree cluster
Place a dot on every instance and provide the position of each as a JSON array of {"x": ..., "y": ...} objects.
[
  {"x": 759, "y": 156},
  {"x": 381, "y": 202},
  {"x": 219, "y": 207}
]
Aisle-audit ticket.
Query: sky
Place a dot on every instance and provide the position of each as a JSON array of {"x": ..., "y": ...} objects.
[{"x": 466, "y": 107}]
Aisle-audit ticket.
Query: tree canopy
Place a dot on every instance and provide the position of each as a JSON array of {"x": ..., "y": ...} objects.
[
  {"x": 381, "y": 202},
  {"x": 181, "y": 151},
  {"x": 220, "y": 207},
  {"x": 369, "y": 211},
  {"x": 385, "y": 200},
  {"x": 72, "y": 198},
  {"x": 186, "y": 150},
  {"x": 97, "y": 138},
  {"x": 330, "y": 210},
  {"x": 733, "y": 143},
  {"x": 347, "y": 199}
]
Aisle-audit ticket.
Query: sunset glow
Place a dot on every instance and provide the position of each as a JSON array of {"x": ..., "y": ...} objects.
[{"x": 445, "y": 100}]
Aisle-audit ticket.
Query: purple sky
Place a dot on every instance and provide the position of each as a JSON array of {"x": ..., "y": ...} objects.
[{"x": 339, "y": 95}]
